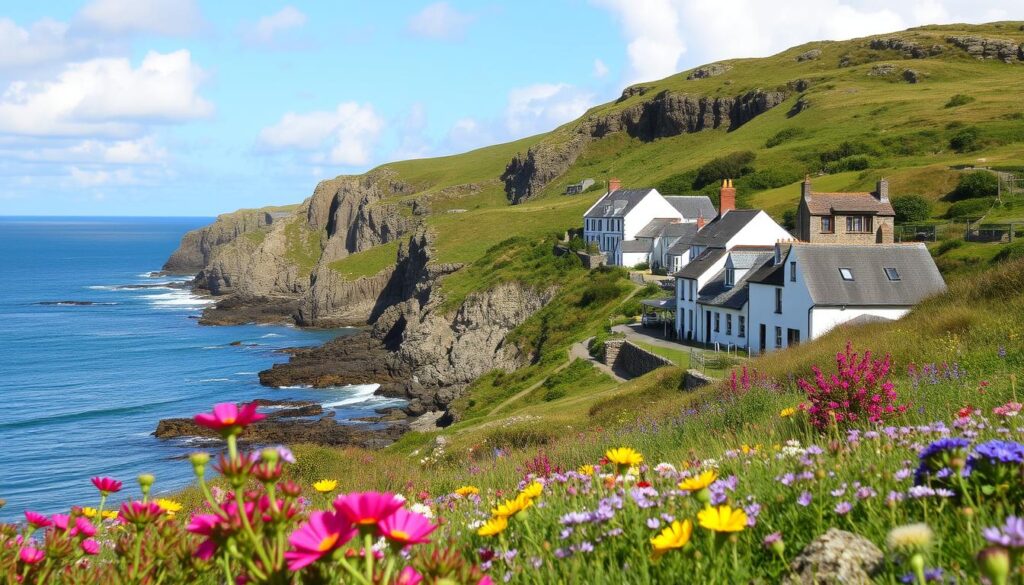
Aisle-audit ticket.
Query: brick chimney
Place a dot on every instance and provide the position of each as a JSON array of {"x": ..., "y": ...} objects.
[
  {"x": 882, "y": 190},
  {"x": 726, "y": 198},
  {"x": 614, "y": 185},
  {"x": 805, "y": 189},
  {"x": 700, "y": 220}
]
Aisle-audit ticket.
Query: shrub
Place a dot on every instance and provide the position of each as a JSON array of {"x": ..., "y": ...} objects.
[
  {"x": 965, "y": 140},
  {"x": 859, "y": 390},
  {"x": 598, "y": 292},
  {"x": 554, "y": 394},
  {"x": 911, "y": 208},
  {"x": 949, "y": 245},
  {"x": 843, "y": 150},
  {"x": 784, "y": 135},
  {"x": 975, "y": 184},
  {"x": 850, "y": 163},
  {"x": 642, "y": 266},
  {"x": 771, "y": 178},
  {"x": 576, "y": 244},
  {"x": 959, "y": 100},
  {"x": 730, "y": 166},
  {"x": 789, "y": 219},
  {"x": 1012, "y": 251},
  {"x": 678, "y": 183},
  {"x": 970, "y": 208}
]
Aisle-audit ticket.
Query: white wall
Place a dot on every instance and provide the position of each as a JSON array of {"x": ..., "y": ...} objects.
[
  {"x": 796, "y": 301},
  {"x": 653, "y": 205},
  {"x": 722, "y": 336},
  {"x": 824, "y": 319},
  {"x": 630, "y": 259},
  {"x": 761, "y": 231}
]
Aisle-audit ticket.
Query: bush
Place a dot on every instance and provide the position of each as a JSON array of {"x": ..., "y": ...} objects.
[
  {"x": 1012, "y": 251},
  {"x": 576, "y": 244},
  {"x": 975, "y": 184},
  {"x": 850, "y": 163},
  {"x": 949, "y": 245},
  {"x": 959, "y": 100},
  {"x": 642, "y": 266},
  {"x": 789, "y": 219},
  {"x": 844, "y": 150},
  {"x": 771, "y": 178},
  {"x": 971, "y": 208},
  {"x": 859, "y": 391},
  {"x": 678, "y": 183},
  {"x": 911, "y": 208},
  {"x": 730, "y": 166},
  {"x": 965, "y": 140},
  {"x": 784, "y": 135}
]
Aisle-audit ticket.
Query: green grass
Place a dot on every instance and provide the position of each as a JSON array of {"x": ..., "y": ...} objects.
[
  {"x": 679, "y": 357},
  {"x": 302, "y": 246},
  {"x": 368, "y": 262}
]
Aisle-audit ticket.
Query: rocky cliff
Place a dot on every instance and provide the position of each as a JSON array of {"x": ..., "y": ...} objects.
[
  {"x": 198, "y": 246},
  {"x": 666, "y": 114}
]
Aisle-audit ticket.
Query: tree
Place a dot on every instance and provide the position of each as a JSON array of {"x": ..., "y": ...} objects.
[
  {"x": 789, "y": 219},
  {"x": 976, "y": 184},
  {"x": 911, "y": 208},
  {"x": 730, "y": 166}
]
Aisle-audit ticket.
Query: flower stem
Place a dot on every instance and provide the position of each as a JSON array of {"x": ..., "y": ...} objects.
[{"x": 368, "y": 555}]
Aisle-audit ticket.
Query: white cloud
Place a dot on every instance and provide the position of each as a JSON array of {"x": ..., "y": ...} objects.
[
  {"x": 467, "y": 134},
  {"x": 106, "y": 97},
  {"x": 143, "y": 151},
  {"x": 600, "y": 69},
  {"x": 268, "y": 29},
  {"x": 44, "y": 41},
  {"x": 541, "y": 107},
  {"x": 162, "y": 17},
  {"x": 100, "y": 177},
  {"x": 344, "y": 136},
  {"x": 653, "y": 35},
  {"x": 440, "y": 21}
]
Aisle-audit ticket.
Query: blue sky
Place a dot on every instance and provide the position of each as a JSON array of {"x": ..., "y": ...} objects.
[{"x": 181, "y": 107}]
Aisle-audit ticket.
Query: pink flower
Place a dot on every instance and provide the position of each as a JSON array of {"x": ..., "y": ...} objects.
[
  {"x": 60, "y": 521},
  {"x": 485, "y": 580},
  {"x": 137, "y": 512},
  {"x": 408, "y": 576},
  {"x": 205, "y": 525},
  {"x": 322, "y": 534},
  {"x": 228, "y": 419},
  {"x": 106, "y": 485},
  {"x": 365, "y": 509},
  {"x": 31, "y": 555},
  {"x": 90, "y": 546},
  {"x": 36, "y": 520},
  {"x": 1009, "y": 409},
  {"x": 83, "y": 526},
  {"x": 404, "y": 527}
]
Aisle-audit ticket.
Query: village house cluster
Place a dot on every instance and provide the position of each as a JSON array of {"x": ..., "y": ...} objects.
[{"x": 743, "y": 281}]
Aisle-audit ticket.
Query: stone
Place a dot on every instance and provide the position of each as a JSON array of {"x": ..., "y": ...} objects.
[
  {"x": 838, "y": 557},
  {"x": 912, "y": 76},
  {"x": 799, "y": 85},
  {"x": 711, "y": 70},
  {"x": 908, "y": 48},
  {"x": 983, "y": 48},
  {"x": 882, "y": 70},
  {"x": 800, "y": 105},
  {"x": 811, "y": 55}
]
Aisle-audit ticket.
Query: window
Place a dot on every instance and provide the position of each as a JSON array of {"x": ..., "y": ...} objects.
[
  {"x": 778, "y": 300},
  {"x": 691, "y": 319},
  {"x": 730, "y": 277},
  {"x": 778, "y": 337},
  {"x": 827, "y": 225},
  {"x": 728, "y": 324},
  {"x": 717, "y": 319},
  {"x": 792, "y": 271},
  {"x": 892, "y": 274},
  {"x": 693, "y": 287},
  {"x": 743, "y": 326},
  {"x": 846, "y": 273},
  {"x": 858, "y": 224}
]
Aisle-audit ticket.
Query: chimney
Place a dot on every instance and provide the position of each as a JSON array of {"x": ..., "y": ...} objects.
[
  {"x": 726, "y": 198},
  {"x": 883, "y": 189},
  {"x": 805, "y": 189},
  {"x": 614, "y": 185},
  {"x": 700, "y": 220}
]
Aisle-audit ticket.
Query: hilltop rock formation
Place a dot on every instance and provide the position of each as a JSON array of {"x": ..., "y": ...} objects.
[
  {"x": 667, "y": 114},
  {"x": 909, "y": 49},
  {"x": 982, "y": 48}
]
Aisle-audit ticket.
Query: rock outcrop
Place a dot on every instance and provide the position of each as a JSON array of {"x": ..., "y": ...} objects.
[
  {"x": 982, "y": 48},
  {"x": 667, "y": 114},
  {"x": 907, "y": 48},
  {"x": 811, "y": 55},
  {"x": 198, "y": 246},
  {"x": 836, "y": 557},
  {"x": 712, "y": 70}
]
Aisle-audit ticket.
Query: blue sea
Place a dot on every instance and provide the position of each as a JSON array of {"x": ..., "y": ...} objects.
[{"x": 83, "y": 386}]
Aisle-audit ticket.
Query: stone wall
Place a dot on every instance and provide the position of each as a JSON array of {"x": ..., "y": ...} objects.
[
  {"x": 632, "y": 359},
  {"x": 694, "y": 379}
]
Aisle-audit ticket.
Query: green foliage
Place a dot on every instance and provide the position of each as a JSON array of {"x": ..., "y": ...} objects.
[
  {"x": 642, "y": 266},
  {"x": 948, "y": 245},
  {"x": 730, "y": 166},
  {"x": 577, "y": 243},
  {"x": 367, "y": 262},
  {"x": 970, "y": 208},
  {"x": 302, "y": 246},
  {"x": 579, "y": 374},
  {"x": 784, "y": 135},
  {"x": 789, "y": 219},
  {"x": 678, "y": 183},
  {"x": 850, "y": 163},
  {"x": 1014, "y": 251},
  {"x": 770, "y": 178},
  {"x": 959, "y": 100},
  {"x": 844, "y": 150},
  {"x": 975, "y": 184},
  {"x": 966, "y": 140},
  {"x": 911, "y": 208}
]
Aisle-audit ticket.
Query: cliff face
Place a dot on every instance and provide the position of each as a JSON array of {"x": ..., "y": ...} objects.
[
  {"x": 198, "y": 246},
  {"x": 666, "y": 114}
]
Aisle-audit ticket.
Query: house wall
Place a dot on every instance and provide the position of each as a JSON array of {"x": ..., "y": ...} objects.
[
  {"x": 650, "y": 207},
  {"x": 607, "y": 232},
  {"x": 722, "y": 336},
  {"x": 823, "y": 319},
  {"x": 796, "y": 301},
  {"x": 761, "y": 231},
  {"x": 810, "y": 229},
  {"x": 630, "y": 259}
]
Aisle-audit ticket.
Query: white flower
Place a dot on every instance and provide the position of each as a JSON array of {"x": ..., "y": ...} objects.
[
  {"x": 910, "y": 538},
  {"x": 423, "y": 510}
]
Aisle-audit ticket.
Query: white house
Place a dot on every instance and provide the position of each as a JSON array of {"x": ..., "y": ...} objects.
[
  {"x": 719, "y": 313},
  {"x": 616, "y": 219},
  {"x": 807, "y": 289}
]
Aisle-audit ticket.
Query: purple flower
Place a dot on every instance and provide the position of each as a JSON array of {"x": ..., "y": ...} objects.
[
  {"x": 866, "y": 492},
  {"x": 787, "y": 479},
  {"x": 920, "y": 491},
  {"x": 1010, "y": 534},
  {"x": 752, "y": 510},
  {"x": 839, "y": 492},
  {"x": 998, "y": 451},
  {"x": 771, "y": 539},
  {"x": 804, "y": 499},
  {"x": 939, "y": 455},
  {"x": 903, "y": 474},
  {"x": 843, "y": 508},
  {"x": 653, "y": 523}
]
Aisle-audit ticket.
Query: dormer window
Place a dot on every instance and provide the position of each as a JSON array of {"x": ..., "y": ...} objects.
[
  {"x": 730, "y": 277},
  {"x": 846, "y": 273}
]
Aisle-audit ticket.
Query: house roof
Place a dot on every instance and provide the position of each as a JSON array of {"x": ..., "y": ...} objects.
[
  {"x": 723, "y": 229},
  {"x": 829, "y": 203},
  {"x": 686, "y": 232},
  {"x": 701, "y": 263},
  {"x": 820, "y": 263},
  {"x": 693, "y": 206},
  {"x": 717, "y": 294},
  {"x": 643, "y": 246},
  {"x": 748, "y": 257},
  {"x": 618, "y": 203},
  {"x": 680, "y": 230},
  {"x": 655, "y": 227}
]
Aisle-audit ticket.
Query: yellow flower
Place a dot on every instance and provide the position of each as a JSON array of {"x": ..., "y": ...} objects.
[
  {"x": 493, "y": 527},
  {"x": 110, "y": 514},
  {"x": 467, "y": 490},
  {"x": 695, "y": 484},
  {"x": 676, "y": 535},
  {"x": 88, "y": 512},
  {"x": 533, "y": 490},
  {"x": 723, "y": 519},
  {"x": 624, "y": 457},
  {"x": 169, "y": 506},
  {"x": 787, "y": 412},
  {"x": 325, "y": 486},
  {"x": 585, "y": 470},
  {"x": 512, "y": 507}
]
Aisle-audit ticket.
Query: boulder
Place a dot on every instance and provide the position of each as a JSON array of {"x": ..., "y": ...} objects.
[
  {"x": 711, "y": 70},
  {"x": 811, "y": 55},
  {"x": 838, "y": 557}
]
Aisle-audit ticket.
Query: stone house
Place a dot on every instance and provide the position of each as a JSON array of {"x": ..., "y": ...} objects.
[{"x": 845, "y": 218}]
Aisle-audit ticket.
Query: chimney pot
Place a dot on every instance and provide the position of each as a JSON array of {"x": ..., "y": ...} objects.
[
  {"x": 883, "y": 189},
  {"x": 726, "y": 198},
  {"x": 700, "y": 221},
  {"x": 614, "y": 185}
]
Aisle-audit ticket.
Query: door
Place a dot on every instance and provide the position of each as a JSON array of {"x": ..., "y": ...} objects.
[
  {"x": 707, "y": 328},
  {"x": 763, "y": 332}
]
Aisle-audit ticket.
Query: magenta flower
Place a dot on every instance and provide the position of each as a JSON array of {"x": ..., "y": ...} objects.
[
  {"x": 409, "y": 576},
  {"x": 321, "y": 535},
  {"x": 90, "y": 547},
  {"x": 137, "y": 512},
  {"x": 106, "y": 485},
  {"x": 366, "y": 509},
  {"x": 30, "y": 555},
  {"x": 404, "y": 528},
  {"x": 36, "y": 520},
  {"x": 60, "y": 521},
  {"x": 206, "y": 525},
  {"x": 228, "y": 419},
  {"x": 83, "y": 526}
]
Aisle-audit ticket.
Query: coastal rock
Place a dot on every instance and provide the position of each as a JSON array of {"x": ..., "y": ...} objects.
[
  {"x": 198, "y": 246},
  {"x": 357, "y": 359},
  {"x": 666, "y": 114},
  {"x": 284, "y": 430},
  {"x": 882, "y": 70},
  {"x": 239, "y": 310},
  {"x": 836, "y": 557},
  {"x": 632, "y": 91}
]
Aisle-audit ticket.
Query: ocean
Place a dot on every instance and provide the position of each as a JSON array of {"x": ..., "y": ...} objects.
[{"x": 83, "y": 384}]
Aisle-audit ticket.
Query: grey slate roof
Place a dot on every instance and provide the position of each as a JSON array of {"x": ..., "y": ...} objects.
[
  {"x": 655, "y": 227},
  {"x": 715, "y": 292},
  {"x": 919, "y": 277},
  {"x": 701, "y": 263},
  {"x": 720, "y": 231},
  {"x": 693, "y": 206},
  {"x": 618, "y": 203},
  {"x": 769, "y": 274},
  {"x": 748, "y": 257},
  {"x": 644, "y": 245},
  {"x": 680, "y": 230},
  {"x": 829, "y": 203}
]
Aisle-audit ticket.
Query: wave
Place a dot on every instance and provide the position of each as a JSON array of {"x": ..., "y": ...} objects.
[
  {"x": 215, "y": 380},
  {"x": 246, "y": 373},
  {"x": 272, "y": 335},
  {"x": 356, "y": 394},
  {"x": 177, "y": 299},
  {"x": 87, "y": 415}
]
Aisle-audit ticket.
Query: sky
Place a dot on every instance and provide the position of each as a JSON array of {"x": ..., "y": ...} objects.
[{"x": 190, "y": 108}]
